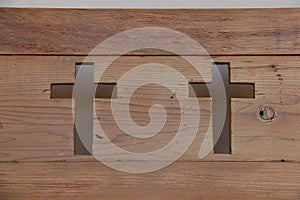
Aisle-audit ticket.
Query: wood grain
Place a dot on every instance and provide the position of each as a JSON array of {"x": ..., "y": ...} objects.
[
  {"x": 182, "y": 180},
  {"x": 220, "y": 32},
  {"x": 42, "y": 46},
  {"x": 35, "y": 127}
]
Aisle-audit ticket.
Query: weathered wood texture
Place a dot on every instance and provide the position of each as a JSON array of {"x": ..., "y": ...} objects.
[
  {"x": 220, "y": 32},
  {"x": 182, "y": 180},
  {"x": 35, "y": 127},
  {"x": 41, "y": 46}
]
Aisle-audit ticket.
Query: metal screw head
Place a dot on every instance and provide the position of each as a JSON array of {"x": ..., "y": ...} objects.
[{"x": 267, "y": 113}]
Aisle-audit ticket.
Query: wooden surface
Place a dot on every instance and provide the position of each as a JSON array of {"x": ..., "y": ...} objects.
[
  {"x": 182, "y": 180},
  {"x": 220, "y": 32},
  {"x": 28, "y": 114},
  {"x": 37, "y": 158}
]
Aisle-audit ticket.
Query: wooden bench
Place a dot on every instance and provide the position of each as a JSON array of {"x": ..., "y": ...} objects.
[{"x": 40, "y": 47}]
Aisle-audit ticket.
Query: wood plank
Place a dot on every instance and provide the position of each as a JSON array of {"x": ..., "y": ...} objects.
[
  {"x": 181, "y": 180},
  {"x": 35, "y": 127},
  {"x": 277, "y": 81},
  {"x": 220, "y": 32}
]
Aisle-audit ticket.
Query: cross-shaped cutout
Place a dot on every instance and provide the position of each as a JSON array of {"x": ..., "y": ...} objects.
[
  {"x": 233, "y": 90},
  {"x": 84, "y": 102},
  {"x": 84, "y": 105}
]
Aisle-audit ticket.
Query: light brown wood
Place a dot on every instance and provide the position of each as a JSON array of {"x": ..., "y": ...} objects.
[
  {"x": 41, "y": 46},
  {"x": 182, "y": 180},
  {"x": 220, "y": 32},
  {"x": 35, "y": 127}
]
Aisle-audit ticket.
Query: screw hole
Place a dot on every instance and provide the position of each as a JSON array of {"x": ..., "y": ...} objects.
[{"x": 267, "y": 113}]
